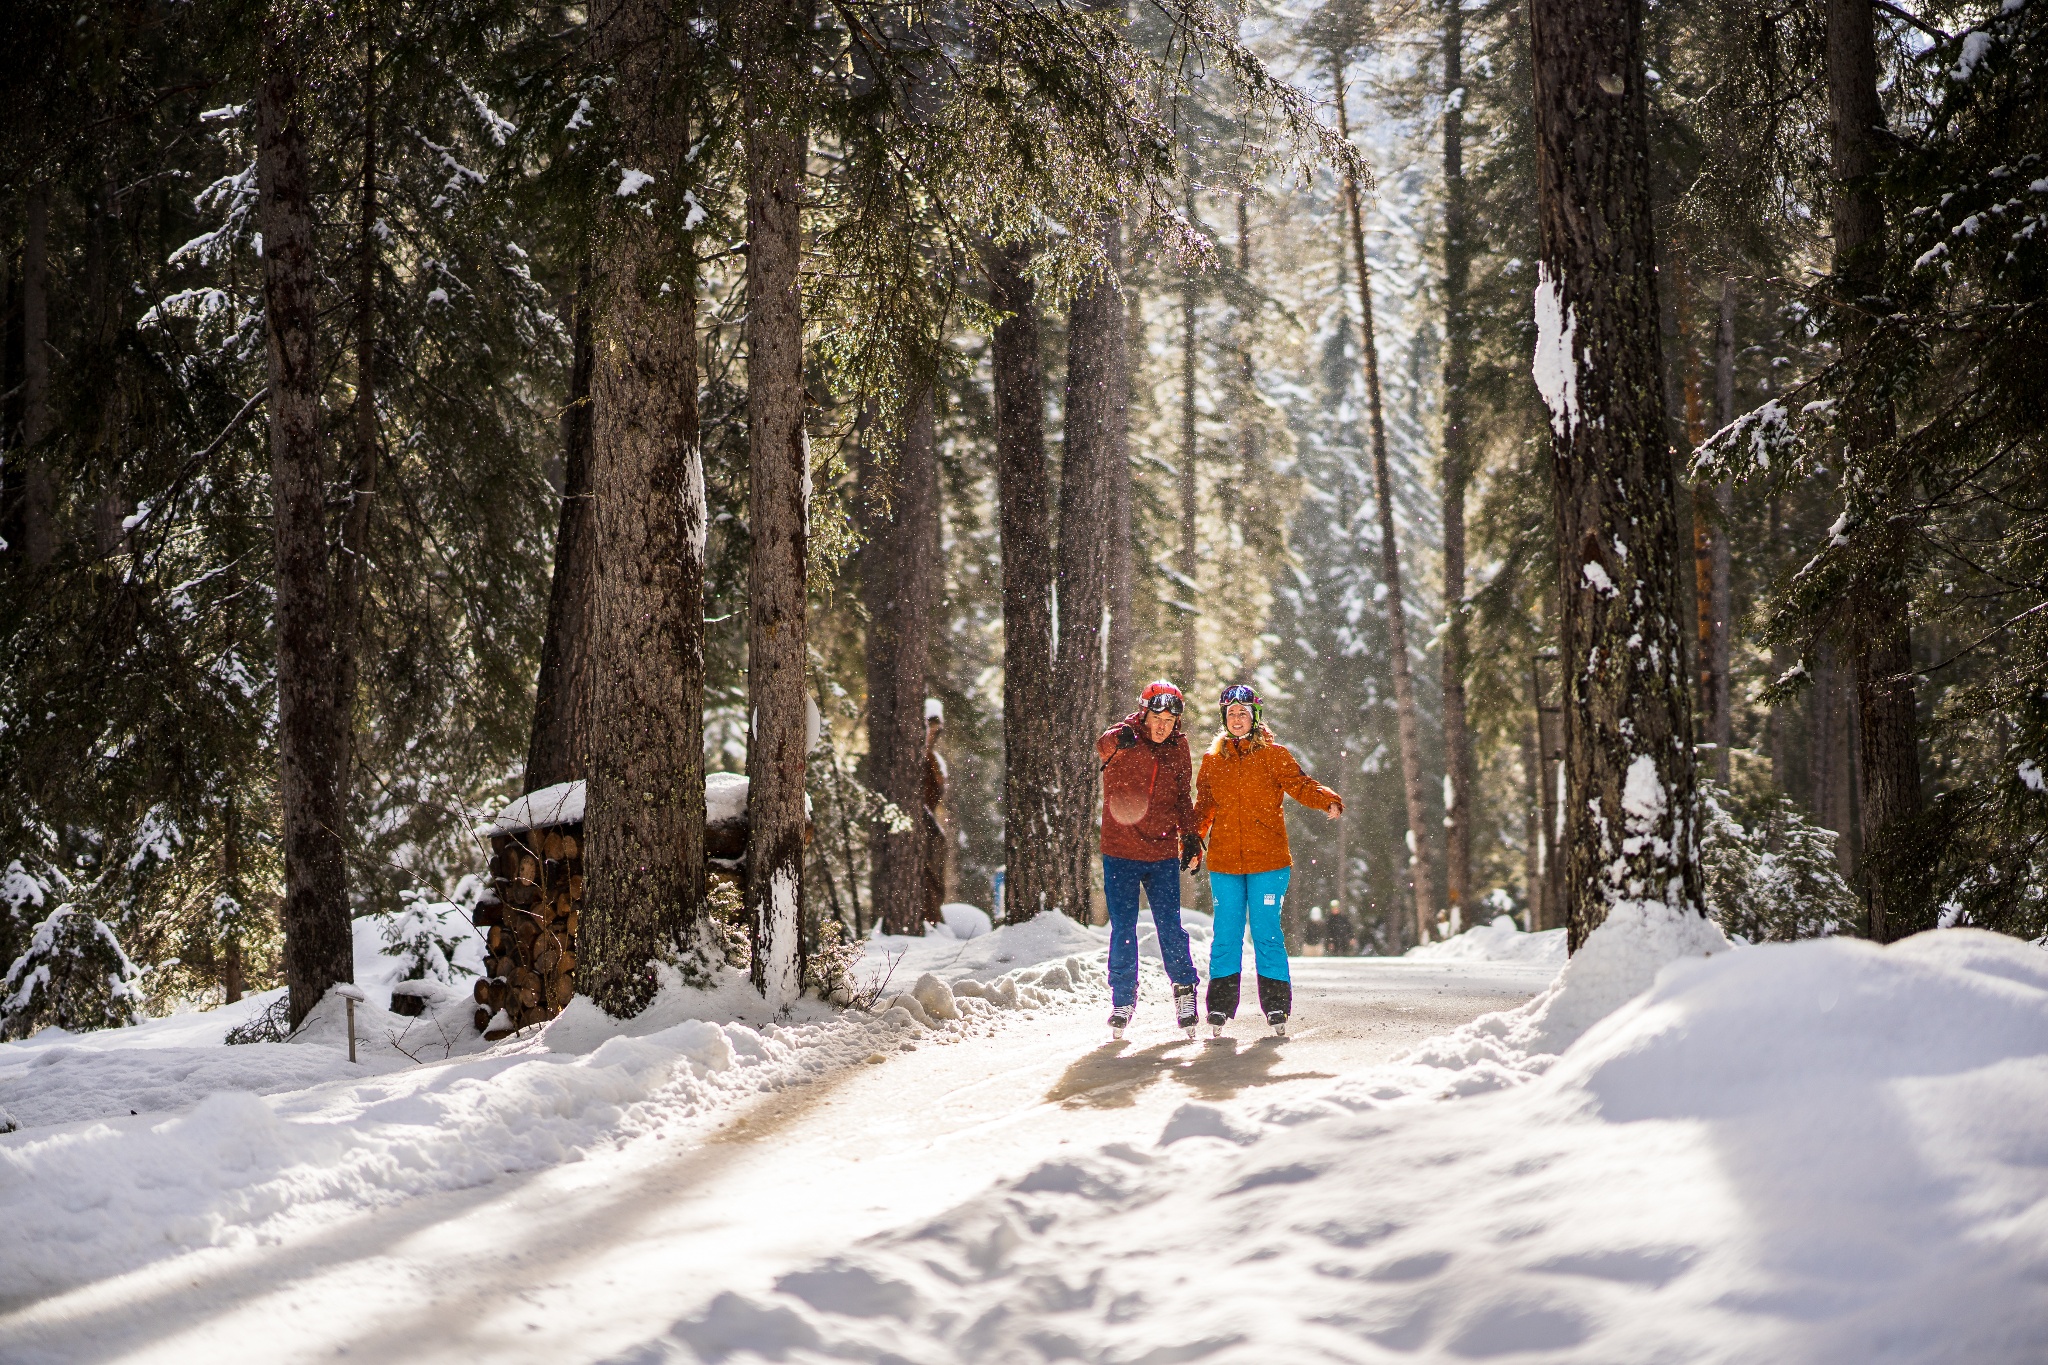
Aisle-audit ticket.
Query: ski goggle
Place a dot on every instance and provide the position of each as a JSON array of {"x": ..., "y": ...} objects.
[
  {"x": 1169, "y": 702},
  {"x": 1237, "y": 694}
]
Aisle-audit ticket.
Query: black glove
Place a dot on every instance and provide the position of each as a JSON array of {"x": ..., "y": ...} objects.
[
  {"x": 1190, "y": 850},
  {"x": 1126, "y": 737}
]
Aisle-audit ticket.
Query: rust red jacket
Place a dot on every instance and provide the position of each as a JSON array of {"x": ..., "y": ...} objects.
[{"x": 1146, "y": 804}]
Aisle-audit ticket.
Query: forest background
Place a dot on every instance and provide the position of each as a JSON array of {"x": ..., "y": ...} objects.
[{"x": 465, "y": 168}]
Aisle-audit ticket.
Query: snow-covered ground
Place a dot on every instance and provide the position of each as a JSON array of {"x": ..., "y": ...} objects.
[
  {"x": 1500, "y": 941},
  {"x": 1824, "y": 1151}
]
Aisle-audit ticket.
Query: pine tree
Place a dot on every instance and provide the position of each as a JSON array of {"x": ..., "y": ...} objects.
[
  {"x": 1628, "y": 714},
  {"x": 644, "y": 821}
]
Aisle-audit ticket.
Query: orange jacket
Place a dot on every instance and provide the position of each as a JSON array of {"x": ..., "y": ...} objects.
[{"x": 1237, "y": 802}]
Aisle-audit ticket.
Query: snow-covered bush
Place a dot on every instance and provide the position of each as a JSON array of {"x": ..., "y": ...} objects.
[
  {"x": 424, "y": 934},
  {"x": 1769, "y": 873},
  {"x": 75, "y": 975}
]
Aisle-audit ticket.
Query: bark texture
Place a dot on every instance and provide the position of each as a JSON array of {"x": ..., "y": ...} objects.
[
  {"x": 558, "y": 748},
  {"x": 644, "y": 813},
  {"x": 899, "y": 579},
  {"x": 1878, "y": 616},
  {"x": 1628, "y": 726},
  {"x": 1421, "y": 857},
  {"x": 1097, "y": 400},
  {"x": 318, "y": 948},
  {"x": 1454, "y": 477},
  {"x": 1030, "y": 769},
  {"x": 772, "y": 33}
]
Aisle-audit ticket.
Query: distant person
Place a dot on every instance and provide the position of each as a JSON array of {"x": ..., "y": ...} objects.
[
  {"x": 934, "y": 870},
  {"x": 1148, "y": 835},
  {"x": 1237, "y": 810},
  {"x": 1341, "y": 933}
]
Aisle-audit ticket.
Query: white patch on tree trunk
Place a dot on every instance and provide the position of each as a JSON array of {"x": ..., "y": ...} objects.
[
  {"x": 694, "y": 507},
  {"x": 1556, "y": 367},
  {"x": 781, "y": 986},
  {"x": 1642, "y": 795}
]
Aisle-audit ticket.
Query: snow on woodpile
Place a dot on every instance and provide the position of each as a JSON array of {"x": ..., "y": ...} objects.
[
  {"x": 1822, "y": 1151},
  {"x": 561, "y": 804},
  {"x": 1500, "y": 941}
]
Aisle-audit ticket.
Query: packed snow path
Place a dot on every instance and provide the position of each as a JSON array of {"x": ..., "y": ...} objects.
[{"x": 580, "y": 1262}]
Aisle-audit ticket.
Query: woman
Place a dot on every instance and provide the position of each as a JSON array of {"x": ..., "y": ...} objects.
[
  {"x": 1237, "y": 809},
  {"x": 1148, "y": 831}
]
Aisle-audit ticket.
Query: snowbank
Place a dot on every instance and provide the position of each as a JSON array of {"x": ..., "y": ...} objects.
[
  {"x": 1500, "y": 941},
  {"x": 136, "y": 1144},
  {"x": 1823, "y": 1151}
]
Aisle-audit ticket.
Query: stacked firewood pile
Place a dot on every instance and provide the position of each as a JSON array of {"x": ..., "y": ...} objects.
[
  {"x": 529, "y": 923},
  {"x": 529, "y": 915}
]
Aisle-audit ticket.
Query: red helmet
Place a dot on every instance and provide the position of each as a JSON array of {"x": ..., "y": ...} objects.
[{"x": 1162, "y": 696}]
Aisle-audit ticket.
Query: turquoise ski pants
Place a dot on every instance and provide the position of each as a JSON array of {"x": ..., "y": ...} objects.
[{"x": 1259, "y": 896}]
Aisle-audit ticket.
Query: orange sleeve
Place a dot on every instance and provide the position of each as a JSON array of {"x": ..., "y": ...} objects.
[{"x": 1300, "y": 785}]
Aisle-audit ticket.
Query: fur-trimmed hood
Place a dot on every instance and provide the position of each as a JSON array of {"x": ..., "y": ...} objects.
[{"x": 1259, "y": 738}]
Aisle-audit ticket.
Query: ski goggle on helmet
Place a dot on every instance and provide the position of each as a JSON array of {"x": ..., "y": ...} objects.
[
  {"x": 1237, "y": 694},
  {"x": 1162, "y": 696}
]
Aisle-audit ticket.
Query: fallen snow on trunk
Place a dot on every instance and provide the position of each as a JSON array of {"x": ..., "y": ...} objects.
[
  {"x": 1824, "y": 1151},
  {"x": 88, "y": 1196}
]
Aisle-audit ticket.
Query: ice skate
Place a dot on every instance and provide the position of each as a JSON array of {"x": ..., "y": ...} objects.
[
  {"x": 1279, "y": 1023},
  {"x": 1184, "y": 1008},
  {"x": 1120, "y": 1019},
  {"x": 1217, "y": 1019}
]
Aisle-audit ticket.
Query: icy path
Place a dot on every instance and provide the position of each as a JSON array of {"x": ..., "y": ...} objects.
[{"x": 581, "y": 1261}]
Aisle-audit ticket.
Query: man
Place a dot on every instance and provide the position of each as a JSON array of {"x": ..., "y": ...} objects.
[
  {"x": 934, "y": 870},
  {"x": 1148, "y": 823}
]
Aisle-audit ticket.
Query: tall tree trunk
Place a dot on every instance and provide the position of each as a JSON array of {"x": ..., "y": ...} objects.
[
  {"x": 1534, "y": 843},
  {"x": 234, "y": 978},
  {"x": 1421, "y": 856},
  {"x": 644, "y": 812},
  {"x": 899, "y": 510},
  {"x": 558, "y": 749},
  {"x": 38, "y": 493},
  {"x": 1721, "y": 722},
  {"x": 1097, "y": 400},
  {"x": 1186, "y": 564},
  {"x": 1119, "y": 688},
  {"x": 779, "y": 497},
  {"x": 318, "y": 947},
  {"x": 351, "y": 565},
  {"x": 1628, "y": 705},
  {"x": 1456, "y": 472},
  {"x": 1250, "y": 486},
  {"x": 1030, "y": 729},
  {"x": 1879, "y": 616}
]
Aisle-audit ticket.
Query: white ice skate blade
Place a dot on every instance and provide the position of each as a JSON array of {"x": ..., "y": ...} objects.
[
  {"x": 1191, "y": 1030},
  {"x": 1116, "y": 1030},
  {"x": 1280, "y": 1030},
  {"x": 1215, "y": 1030}
]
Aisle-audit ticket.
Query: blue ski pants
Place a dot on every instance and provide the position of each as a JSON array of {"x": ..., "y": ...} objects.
[
  {"x": 1121, "y": 878},
  {"x": 1257, "y": 896}
]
